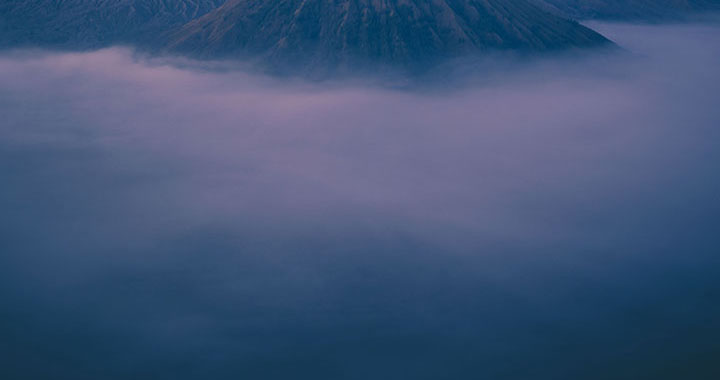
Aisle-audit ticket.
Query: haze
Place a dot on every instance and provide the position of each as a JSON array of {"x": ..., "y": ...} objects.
[{"x": 551, "y": 220}]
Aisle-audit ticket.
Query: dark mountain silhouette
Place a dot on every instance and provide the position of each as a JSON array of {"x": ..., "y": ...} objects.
[
  {"x": 652, "y": 10},
  {"x": 342, "y": 33},
  {"x": 94, "y": 23}
]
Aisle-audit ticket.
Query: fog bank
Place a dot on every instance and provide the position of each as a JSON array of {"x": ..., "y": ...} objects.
[{"x": 553, "y": 220}]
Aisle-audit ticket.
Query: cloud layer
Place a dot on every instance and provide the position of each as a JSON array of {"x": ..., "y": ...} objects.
[{"x": 554, "y": 219}]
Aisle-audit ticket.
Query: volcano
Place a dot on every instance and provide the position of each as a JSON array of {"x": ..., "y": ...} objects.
[{"x": 331, "y": 34}]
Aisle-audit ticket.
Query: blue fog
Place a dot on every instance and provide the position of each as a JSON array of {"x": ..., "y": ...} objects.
[{"x": 557, "y": 220}]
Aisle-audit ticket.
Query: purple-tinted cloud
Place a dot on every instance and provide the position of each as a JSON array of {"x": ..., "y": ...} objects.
[{"x": 226, "y": 220}]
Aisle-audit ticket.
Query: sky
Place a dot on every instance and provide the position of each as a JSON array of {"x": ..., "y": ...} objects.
[{"x": 551, "y": 219}]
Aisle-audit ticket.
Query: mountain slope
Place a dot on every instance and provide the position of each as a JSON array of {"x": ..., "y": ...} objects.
[
  {"x": 337, "y": 33},
  {"x": 93, "y": 23},
  {"x": 631, "y": 9}
]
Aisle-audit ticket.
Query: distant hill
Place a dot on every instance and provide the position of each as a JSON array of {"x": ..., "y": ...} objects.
[
  {"x": 94, "y": 23},
  {"x": 335, "y": 34},
  {"x": 650, "y": 10}
]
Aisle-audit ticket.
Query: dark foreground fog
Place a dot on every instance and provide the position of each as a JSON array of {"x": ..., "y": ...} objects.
[{"x": 560, "y": 220}]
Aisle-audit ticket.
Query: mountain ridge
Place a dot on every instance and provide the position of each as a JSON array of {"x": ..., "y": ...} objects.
[
  {"x": 94, "y": 23},
  {"x": 626, "y": 10}
]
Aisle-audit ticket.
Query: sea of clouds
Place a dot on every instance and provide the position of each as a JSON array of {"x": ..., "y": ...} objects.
[{"x": 552, "y": 219}]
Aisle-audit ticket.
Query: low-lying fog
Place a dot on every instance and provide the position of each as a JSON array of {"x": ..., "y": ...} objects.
[{"x": 558, "y": 220}]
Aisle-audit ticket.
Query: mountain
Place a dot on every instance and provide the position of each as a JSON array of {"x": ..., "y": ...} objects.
[
  {"x": 94, "y": 23},
  {"x": 311, "y": 34},
  {"x": 651, "y": 10}
]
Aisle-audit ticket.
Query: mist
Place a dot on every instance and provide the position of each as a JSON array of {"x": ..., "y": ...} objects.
[{"x": 556, "y": 219}]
